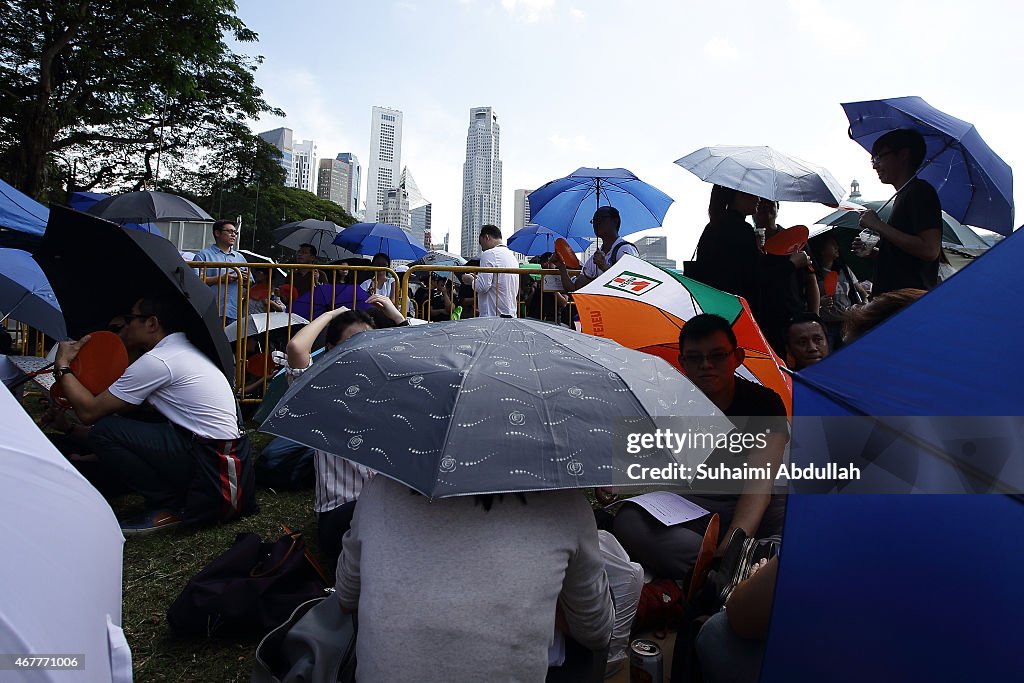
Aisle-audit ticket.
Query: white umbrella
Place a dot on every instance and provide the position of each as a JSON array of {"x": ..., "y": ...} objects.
[
  {"x": 259, "y": 323},
  {"x": 62, "y": 568},
  {"x": 764, "y": 172},
  {"x": 320, "y": 234}
]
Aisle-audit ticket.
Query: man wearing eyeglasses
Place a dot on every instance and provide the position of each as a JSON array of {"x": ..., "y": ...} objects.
[
  {"x": 709, "y": 356},
  {"x": 224, "y": 281}
]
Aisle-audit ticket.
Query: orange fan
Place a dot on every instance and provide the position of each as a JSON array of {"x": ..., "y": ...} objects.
[
  {"x": 565, "y": 253},
  {"x": 787, "y": 242},
  {"x": 704, "y": 557},
  {"x": 831, "y": 283},
  {"x": 259, "y": 365},
  {"x": 259, "y": 292},
  {"x": 99, "y": 363},
  {"x": 286, "y": 292}
]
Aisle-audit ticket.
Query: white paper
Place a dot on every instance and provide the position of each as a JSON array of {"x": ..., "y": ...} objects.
[
  {"x": 668, "y": 508},
  {"x": 553, "y": 283},
  {"x": 847, "y": 205}
]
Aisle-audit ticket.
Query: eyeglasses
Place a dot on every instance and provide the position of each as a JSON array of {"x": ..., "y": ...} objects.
[
  {"x": 715, "y": 357},
  {"x": 875, "y": 158}
]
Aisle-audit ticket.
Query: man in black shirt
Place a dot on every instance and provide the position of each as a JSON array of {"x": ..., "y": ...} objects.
[
  {"x": 911, "y": 242},
  {"x": 709, "y": 356}
]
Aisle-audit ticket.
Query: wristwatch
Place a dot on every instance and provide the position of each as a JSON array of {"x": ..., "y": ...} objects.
[{"x": 60, "y": 372}]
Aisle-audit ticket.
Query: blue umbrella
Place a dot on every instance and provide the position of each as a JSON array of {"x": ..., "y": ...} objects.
[
  {"x": 26, "y": 295},
  {"x": 567, "y": 204},
  {"x": 20, "y": 212},
  {"x": 974, "y": 184},
  {"x": 875, "y": 581},
  {"x": 373, "y": 238},
  {"x": 534, "y": 240}
]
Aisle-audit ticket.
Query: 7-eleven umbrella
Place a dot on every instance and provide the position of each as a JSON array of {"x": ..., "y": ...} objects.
[{"x": 643, "y": 307}]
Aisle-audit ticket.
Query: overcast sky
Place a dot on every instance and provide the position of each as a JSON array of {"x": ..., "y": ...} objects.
[{"x": 630, "y": 84}]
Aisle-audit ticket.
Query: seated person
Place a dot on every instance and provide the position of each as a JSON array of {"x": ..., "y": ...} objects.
[
  {"x": 305, "y": 279},
  {"x": 380, "y": 282},
  {"x": 466, "y": 294},
  {"x": 181, "y": 383},
  {"x": 438, "y": 290},
  {"x": 546, "y": 304},
  {"x": 806, "y": 341},
  {"x": 261, "y": 279},
  {"x": 710, "y": 357}
]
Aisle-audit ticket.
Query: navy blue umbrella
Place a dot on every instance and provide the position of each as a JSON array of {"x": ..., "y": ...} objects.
[
  {"x": 373, "y": 238},
  {"x": 534, "y": 240},
  {"x": 974, "y": 184},
  {"x": 566, "y": 205},
  {"x": 873, "y": 581},
  {"x": 20, "y": 212},
  {"x": 26, "y": 295}
]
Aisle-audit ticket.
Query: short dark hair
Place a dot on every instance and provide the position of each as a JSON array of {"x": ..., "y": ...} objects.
[
  {"x": 380, "y": 318},
  {"x": 802, "y": 319},
  {"x": 341, "y": 322},
  {"x": 703, "y": 326},
  {"x": 307, "y": 245},
  {"x": 219, "y": 225},
  {"x": 903, "y": 138},
  {"x": 166, "y": 311},
  {"x": 381, "y": 257},
  {"x": 608, "y": 211},
  {"x": 491, "y": 231}
]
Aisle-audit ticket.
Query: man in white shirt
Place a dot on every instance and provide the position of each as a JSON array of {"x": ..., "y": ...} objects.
[
  {"x": 153, "y": 458},
  {"x": 606, "y": 222},
  {"x": 497, "y": 293}
]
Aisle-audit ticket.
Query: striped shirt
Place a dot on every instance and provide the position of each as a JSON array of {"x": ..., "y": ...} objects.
[{"x": 338, "y": 480}]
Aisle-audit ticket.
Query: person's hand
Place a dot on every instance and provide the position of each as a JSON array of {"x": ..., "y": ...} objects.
[
  {"x": 800, "y": 259},
  {"x": 870, "y": 220},
  {"x": 757, "y": 567},
  {"x": 600, "y": 260},
  {"x": 388, "y": 306},
  {"x": 67, "y": 351},
  {"x": 605, "y": 496},
  {"x": 467, "y": 278}
]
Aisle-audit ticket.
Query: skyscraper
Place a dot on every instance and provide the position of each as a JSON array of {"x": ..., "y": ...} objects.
[
  {"x": 332, "y": 181},
  {"x": 282, "y": 139},
  {"x": 395, "y": 209},
  {"x": 385, "y": 158},
  {"x": 522, "y": 209},
  {"x": 419, "y": 210},
  {"x": 655, "y": 250},
  {"x": 304, "y": 165},
  {"x": 355, "y": 175},
  {"x": 481, "y": 178}
]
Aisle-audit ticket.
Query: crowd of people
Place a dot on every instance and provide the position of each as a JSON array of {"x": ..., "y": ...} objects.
[{"x": 488, "y": 579}]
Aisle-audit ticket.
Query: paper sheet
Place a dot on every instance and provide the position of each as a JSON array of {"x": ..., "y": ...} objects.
[{"x": 668, "y": 508}]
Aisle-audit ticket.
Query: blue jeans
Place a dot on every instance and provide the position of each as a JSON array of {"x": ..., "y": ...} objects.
[
  {"x": 152, "y": 459},
  {"x": 724, "y": 656}
]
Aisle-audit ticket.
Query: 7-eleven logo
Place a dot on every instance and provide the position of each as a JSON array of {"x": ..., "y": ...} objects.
[{"x": 634, "y": 283}]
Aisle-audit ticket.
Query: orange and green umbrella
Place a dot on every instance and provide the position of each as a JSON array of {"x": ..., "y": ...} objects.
[{"x": 643, "y": 307}]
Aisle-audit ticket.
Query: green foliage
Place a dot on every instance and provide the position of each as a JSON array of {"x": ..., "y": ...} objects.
[{"x": 102, "y": 91}]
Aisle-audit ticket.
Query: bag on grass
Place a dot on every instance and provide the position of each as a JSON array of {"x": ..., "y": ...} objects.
[
  {"x": 252, "y": 587},
  {"x": 317, "y": 644},
  {"x": 223, "y": 485}
]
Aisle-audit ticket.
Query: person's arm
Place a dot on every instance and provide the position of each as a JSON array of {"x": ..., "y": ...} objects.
[
  {"x": 389, "y": 307},
  {"x": 445, "y": 312},
  {"x": 568, "y": 284},
  {"x": 586, "y": 600},
  {"x": 757, "y": 493},
  {"x": 925, "y": 244},
  {"x": 347, "y": 577},
  {"x": 300, "y": 346},
  {"x": 750, "y": 606},
  {"x": 813, "y": 293},
  {"x": 87, "y": 407}
]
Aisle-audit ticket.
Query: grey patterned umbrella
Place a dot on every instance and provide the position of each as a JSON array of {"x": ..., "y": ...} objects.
[{"x": 490, "y": 405}]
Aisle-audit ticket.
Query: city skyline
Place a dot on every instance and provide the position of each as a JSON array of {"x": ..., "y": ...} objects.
[{"x": 481, "y": 178}]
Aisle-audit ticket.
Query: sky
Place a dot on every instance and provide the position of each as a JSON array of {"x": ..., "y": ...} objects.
[{"x": 629, "y": 84}]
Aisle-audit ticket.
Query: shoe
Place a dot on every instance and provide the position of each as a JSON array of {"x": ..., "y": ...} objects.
[{"x": 150, "y": 522}]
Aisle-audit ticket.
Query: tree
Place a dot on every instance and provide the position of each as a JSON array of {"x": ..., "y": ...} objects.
[{"x": 105, "y": 90}]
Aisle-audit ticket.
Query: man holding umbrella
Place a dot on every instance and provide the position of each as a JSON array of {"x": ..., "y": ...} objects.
[
  {"x": 908, "y": 252},
  {"x": 606, "y": 222},
  {"x": 224, "y": 235}
]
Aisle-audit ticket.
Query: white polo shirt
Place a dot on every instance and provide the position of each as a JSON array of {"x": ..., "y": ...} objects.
[
  {"x": 590, "y": 268},
  {"x": 497, "y": 293},
  {"x": 184, "y": 386}
]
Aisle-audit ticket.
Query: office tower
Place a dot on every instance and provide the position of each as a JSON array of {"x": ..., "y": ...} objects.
[
  {"x": 353, "y": 199},
  {"x": 332, "y": 181},
  {"x": 385, "y": 158},
  {"x": 522, "y": 210},
  {"x": 419, "y": 210},
  {"x": 654, "y": 250},
  {"x": 304, "y": 165},
  {"x": 481, "y": 178},
  {"x": 282, "y": 139},
  {"x": 395, "y": 209}
]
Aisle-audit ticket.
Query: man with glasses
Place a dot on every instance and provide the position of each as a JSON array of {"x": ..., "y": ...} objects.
[
  {"x": 154, "y": 459},
  {"x": 606, "y": 222},
  {"x": 224, "y": 281},
  {"x": 709, "y": 356},
  {"x": 911, "y": 242}
]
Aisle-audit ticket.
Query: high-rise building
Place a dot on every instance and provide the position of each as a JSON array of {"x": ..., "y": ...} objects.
[
  {"x": 419, "y": 210},
  {"x": 282, "y": 139},
  {"x": 481, "y": 178},
  {"x": 353, "y": 198},
  {"x": 385, "y": 158},
  {"x": 522, "y": 210},
  {"x": 395, "y": 209},
  {"x": 304, "y": 165},
  {"x": 654, "y": 250},
  {"x": 332, "y": 181}
]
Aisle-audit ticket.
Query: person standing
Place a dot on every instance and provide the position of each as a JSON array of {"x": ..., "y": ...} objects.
[
  {"x": 606, "y": 222},
  {"x": 907, "y": 255},
  {"x": 224, "y": 281},
  {"x": 497, "y": 293}
]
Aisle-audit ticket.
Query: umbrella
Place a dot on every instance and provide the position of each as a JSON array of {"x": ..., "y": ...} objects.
[
  {"x": 275, "y": 390},
  {"x": 320, "y": 234},
  {"x": 373, "y": 238},
  {"x": 974, "y": 185},
  {"x": 26, "y": 295},
  {"x": 64, "y": 571},
  {"x": 764, "y": 172},
  {"x": 146, "y": 206},
  {"x": 253, "y": 257},
  {"x": 20, "y": 212},
  {"x": 440, "y": 258},
  {"x": 258, "y": 323},
  {"x": 567, "y": 204},
  {"x": 487, "y": 405},
  {"x": 643, "y": 307},
  {"x": 534, "y": 240},
  {"x": 953, "y": 231},
  {"x": 323, "y": 298},
  {"x": 940, "y": 568},
  {"x": 73, "y": 251}
]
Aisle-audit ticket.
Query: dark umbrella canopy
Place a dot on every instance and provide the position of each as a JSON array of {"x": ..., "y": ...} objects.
[
  {"x": 487, "y": 405},
  {"x": 98, "y": 270},
  {"x": 146, "y": 206},
  {"x": 953, "y": 231}
]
